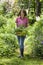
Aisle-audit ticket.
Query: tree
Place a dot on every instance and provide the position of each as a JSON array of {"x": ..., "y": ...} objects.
[{"x": 38, "y": 7}]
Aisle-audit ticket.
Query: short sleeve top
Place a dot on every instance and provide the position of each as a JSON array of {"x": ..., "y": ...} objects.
[{"x": 23, "y": 21}]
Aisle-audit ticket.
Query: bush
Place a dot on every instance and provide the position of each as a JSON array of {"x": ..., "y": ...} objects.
[
  {"x": 32, "y": 18},
  {"x": 3, "y": 20},
  {"x": 10, "y": 26},
  {"x": 8, "y": 44},
  {"x": 7, "y": 25},
  {"x": 1, "y": 9},
  {"x": 16, "y": 10},
  {"x": 36, "y": 38},
  {"x": 9, "y": 14}
]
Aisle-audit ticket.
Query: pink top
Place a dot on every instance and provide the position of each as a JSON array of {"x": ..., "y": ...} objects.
[{"x": 20, "y": 21}]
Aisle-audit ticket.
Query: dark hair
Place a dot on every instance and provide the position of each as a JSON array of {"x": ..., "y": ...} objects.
[{"x": 25, "y": 14}]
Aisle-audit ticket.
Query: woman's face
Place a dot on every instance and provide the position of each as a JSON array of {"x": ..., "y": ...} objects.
[{"x": 22, "y": 14}]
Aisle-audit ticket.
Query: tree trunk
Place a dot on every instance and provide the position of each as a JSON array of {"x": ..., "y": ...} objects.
[{"x": 38, "y": 7}]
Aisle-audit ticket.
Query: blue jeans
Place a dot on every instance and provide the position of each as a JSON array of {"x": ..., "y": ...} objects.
[{"x": 21, "y": 43}]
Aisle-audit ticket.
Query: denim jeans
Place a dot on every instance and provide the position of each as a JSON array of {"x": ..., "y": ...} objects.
[{"x": 21, "y": 43}]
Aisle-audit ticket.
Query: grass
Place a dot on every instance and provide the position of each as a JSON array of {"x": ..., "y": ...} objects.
[
  {"x": 27, "y": 60},
  {"x": 14, "y": 60}
]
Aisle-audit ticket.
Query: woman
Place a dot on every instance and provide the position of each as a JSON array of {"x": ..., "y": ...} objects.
[{"x": 22, "y": 20}]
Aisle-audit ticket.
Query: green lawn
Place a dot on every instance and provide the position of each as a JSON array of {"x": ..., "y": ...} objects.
[{"x": 14, "y": 60}]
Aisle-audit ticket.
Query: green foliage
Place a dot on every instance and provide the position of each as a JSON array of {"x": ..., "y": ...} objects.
[
  {"x": 7, "y": 25},
  {"x": 39, "y": 39},
  {"x": 16, "y": 9},
  {"x": 9, "y": 14},
  {"x": 36, "y": 38},
  {"x": 24, "y": 4},
  {"x": 21, "y": 31},
  {"x": 8, "y": 42},
  {"x": 3, "y": 20},
  {"x": 1, "y": 9},
  {"x": 10, "y": 27},
  {"x": 32, "y": 18}
]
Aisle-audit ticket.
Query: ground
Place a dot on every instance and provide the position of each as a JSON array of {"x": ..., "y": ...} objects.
[
  {"x": 14, "y": 60},
  {"x": 17, "y": 61}
]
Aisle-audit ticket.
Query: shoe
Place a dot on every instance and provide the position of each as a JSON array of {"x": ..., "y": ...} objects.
[{"x": 20, "y": 56}]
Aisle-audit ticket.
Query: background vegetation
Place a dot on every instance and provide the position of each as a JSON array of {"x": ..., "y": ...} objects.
[{"x": 34, "y": 39}]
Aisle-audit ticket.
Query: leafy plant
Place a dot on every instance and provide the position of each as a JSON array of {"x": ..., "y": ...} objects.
[
  {"x": 21, "y": 31},
  {"x": 36, "y": 38},
  {"x": 3, "y": 20},
  {"x": 8, "y": 44}
]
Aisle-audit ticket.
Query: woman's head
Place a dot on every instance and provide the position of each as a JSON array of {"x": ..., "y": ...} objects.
[{"x": 22, "y": 13}]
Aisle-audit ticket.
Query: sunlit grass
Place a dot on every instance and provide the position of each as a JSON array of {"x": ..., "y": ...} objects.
[{"x": 14, "y": 60}]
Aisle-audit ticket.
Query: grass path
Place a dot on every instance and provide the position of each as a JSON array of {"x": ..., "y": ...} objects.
[
  {"x": 27, "y": 60},
  {"x": 17, "y": 61},
  {"x": 14, "y": 60}
]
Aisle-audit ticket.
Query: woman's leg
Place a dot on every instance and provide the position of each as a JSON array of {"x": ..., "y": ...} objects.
[{"x": 21, "y": 44}]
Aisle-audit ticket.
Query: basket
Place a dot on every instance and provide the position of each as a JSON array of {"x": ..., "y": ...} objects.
[{"x": 20, "y": 31}]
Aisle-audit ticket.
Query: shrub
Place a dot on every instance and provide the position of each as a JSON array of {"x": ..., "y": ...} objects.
[
  {"x": 9, "y": 14},
  {"x": 36, "y": 38},
  {"x": 10, "y": 26},
  {"x": 1, "y": 10},
  {"x": 32, "y": 18},
  {"x": 8, "y": 44},
  {"x": 15, "y": 10},
  {"x": 7, "y": 25},
  {"x": 3, "y": 20}
]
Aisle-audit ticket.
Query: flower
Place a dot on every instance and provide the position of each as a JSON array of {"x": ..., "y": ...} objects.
[{"x": 42, "y": 42}]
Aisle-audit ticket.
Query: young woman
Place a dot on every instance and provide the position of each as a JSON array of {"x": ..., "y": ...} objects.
[{"x": 22, "y": 20}]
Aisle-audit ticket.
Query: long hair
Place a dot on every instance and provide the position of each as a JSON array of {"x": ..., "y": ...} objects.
[{"x": 24, "y": 11}]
